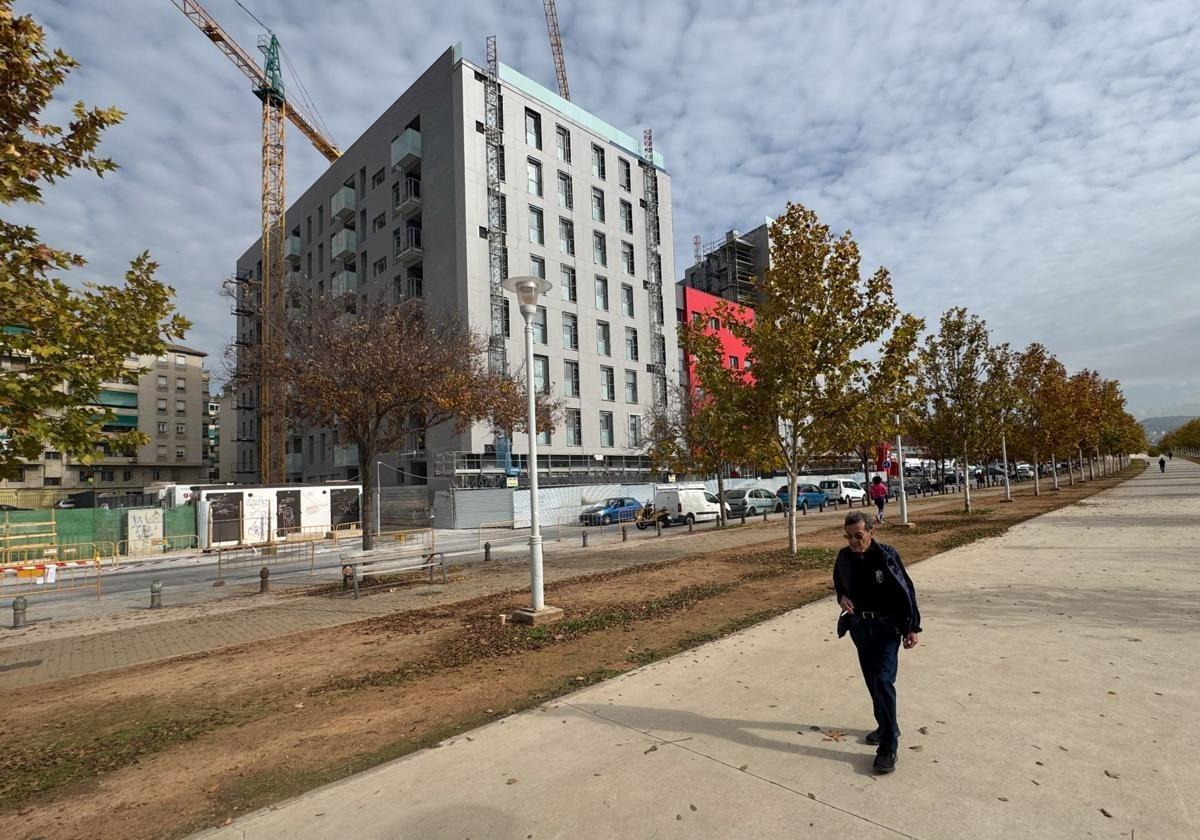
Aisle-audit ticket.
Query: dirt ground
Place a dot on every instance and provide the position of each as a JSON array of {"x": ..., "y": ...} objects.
[{"x": 163, "y": 749}]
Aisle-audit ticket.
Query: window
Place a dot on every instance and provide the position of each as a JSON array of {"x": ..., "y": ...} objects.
[
  {"x": 180, "y": 360},
  {"x": 544, "y": 437},
  {"x": 507, "y": 318},
  {"x": 608, "y": 384},
  {"x": 379, "y": 267},
  {"x": 127, "y": 475},
  {"x": 626, "y": 216},
  {"x": 598, "y": 161},
  {"x": 539, "y": 325},
  {"x": 380, "y": 221},
  {"x": 377, "y": 179},
  {"x": 597, "y": 204},
  {"x": 627, "y": 257},
  {"x": 627, "y": 300},
  {"x": 566, "y": 283},
  {"x": 599, "y": 248},
  {"x": 603, "y": 339},
  {"x": 321, "y": 256},
  {"x": 162, "y": 427},
  {"x": 734, "y": 362},
  {"x": 562, "y": 142},
  {"x": 631, "y": 344},
  {"x": 566, "y": 236},
  {"x": 533, "y": 128},
  {"x": 574, "y": 423},
  {"x": 537, "y": 234},
  {"x": 500, "y": 161},
  {"x": 631, "y": 387},
  {"x": 51, "y": 481},
  {"x": 320, "y": 219},
  {"x": 571, "y": 378},
  {"x": 180, "y": 407},
  {"x": 180, "y": 429},
  {"x": 566, "y": 191},
  {"x": 322, "y": 446},
  {"x": 162, "y": 407},
  {"x": 180, "y": 453},
  {"x": 624, "y": 174},
  {"x": 308, "y": 229},
  {"x": 714, "y": 324},
  {"x": 570, "y": 331},
  {"x": 533, "y": 171},
  {"x": 161, "y": 382},
  {"x": 161, "y": 450},
  {"x": 602, "y": 294},
  {"x": 51, "y": 455},
  {"x": 541, "y": 375},
  {"x": 537, "y": 266},
  {"x": 606, "y": 429},
  {"x": 635, "y": 430}
]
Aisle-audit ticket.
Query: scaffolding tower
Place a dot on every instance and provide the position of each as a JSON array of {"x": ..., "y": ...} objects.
[
  {"x": 657, "y": 366},
  {"x": 496, "y": 238}
]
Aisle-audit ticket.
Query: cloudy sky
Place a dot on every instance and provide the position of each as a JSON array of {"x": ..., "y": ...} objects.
[{"x": 1035, "y": 162}]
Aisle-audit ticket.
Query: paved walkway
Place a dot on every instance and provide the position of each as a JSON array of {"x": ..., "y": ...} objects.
[
  {"x": 1053, "y": 696},
  {"x": 142, "y": 636}
]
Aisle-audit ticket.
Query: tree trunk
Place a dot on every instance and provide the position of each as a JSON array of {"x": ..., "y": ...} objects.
[
  {"x": 366, "y": 475},
  {"x": 966, "y": 483},
  {"x": 721, "y": 498},
  {"x": 1054, "y": 470},
  {"x": 791, "y": 471},
  {"x": 1037, "y": 471}
]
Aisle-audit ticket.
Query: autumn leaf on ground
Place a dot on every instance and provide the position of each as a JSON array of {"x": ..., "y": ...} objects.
[{"x": 834, "y": 735}]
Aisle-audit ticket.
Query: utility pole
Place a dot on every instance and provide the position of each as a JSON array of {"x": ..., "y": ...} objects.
[{"x": 903, "y": 490}]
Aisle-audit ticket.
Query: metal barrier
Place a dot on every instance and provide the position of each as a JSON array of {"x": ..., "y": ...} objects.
[
  {"x": 27, "y": 554},
  {"x": 50, "y": 577},
  {"x": 276, "y": 554},
  {"x": 147, "y": 547}
]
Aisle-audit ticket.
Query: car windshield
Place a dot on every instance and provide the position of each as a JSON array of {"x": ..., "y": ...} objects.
[
  {"x": 829, "y": 484},
  {"x": 734, "y": 494},
  {"x": 614, "y": 502}
]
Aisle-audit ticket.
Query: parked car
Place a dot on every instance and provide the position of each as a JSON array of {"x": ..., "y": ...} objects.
[
  {"x": 1024, "y": 472},
  {"x": 948, "y": 480},
  {"x": 685, "y": 504},
  {"x": 752, "y": 501},
  {"x": 842, "y": 490},
  {"x": 913, "y": 485},
  {"x": 616, "y": 509},
  {"x": 808, "y": 496}
]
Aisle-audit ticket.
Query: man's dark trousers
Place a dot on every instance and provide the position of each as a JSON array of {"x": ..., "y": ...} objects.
[{"x": 878, "y": 646}]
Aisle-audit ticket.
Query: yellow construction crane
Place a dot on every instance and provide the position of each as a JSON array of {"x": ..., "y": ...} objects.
[
  {"x": 267, "y": 83},
  {"x": 560, "y": 66}
]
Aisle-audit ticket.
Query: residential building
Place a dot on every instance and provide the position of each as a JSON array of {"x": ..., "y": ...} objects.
[
  {"x": 226, "y": 446},
  {"x": 404, "y": 213},
  {"x": 732, "y": 267},
  {"x": 693, "y": 305},
  {"x": 168, "y": 404}
]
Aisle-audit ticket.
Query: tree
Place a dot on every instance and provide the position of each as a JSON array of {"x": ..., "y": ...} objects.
[
  {"x": 382, "y": 377},
  {"x": 954, "y": 368},
  {"x": 66, "y": 341},
  {"x": 1085, "y": 402},
  {"x": 806, "y": 345},
  {"x": 1040, "y": 384},
  {"x": 1186, "y": 437},
  {"x": 998, "y": 409}
]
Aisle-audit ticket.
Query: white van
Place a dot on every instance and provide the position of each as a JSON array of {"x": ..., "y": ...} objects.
[{"x": 686, "y": 502}]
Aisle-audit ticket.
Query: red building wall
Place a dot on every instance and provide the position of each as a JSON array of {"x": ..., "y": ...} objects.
[{"x": 696, "y": 302}]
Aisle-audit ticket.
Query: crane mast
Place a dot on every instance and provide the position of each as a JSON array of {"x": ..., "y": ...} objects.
[
  {"x": 560, "y": 65},
  {"x": 267, "y": 83}
]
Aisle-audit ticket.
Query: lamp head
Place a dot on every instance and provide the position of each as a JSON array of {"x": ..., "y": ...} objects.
[{"x": 527, "y": 289}]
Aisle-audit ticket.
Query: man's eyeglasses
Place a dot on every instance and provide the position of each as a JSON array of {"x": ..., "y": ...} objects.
[{"x": 859, "y": 536}]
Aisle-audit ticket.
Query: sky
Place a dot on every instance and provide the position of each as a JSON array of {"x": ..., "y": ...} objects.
[{"x": 1035, "y": 162}]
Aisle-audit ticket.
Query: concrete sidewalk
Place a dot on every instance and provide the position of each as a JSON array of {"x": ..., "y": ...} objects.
[{"x": 1053, "y": 696}]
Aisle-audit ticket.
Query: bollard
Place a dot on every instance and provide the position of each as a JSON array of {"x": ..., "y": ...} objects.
[
  {"x": 658, "y": 527},
  {"x": 584, "y": 533},
  {"x": 155, "y": 594},
  {"x": 764, "y": 516},
  {"x": 487, "y": 552},
  {"x": 743, "y": 517},
  {"x": 624, "y": 534},
  {"x": 264, "y": 580},
  {"x": 18, "y": 606},
  {"x": 804, "y": 508},
  {"x": 690, "y": 524}
]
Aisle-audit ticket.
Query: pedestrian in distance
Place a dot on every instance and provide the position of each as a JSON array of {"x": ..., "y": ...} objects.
[
  {"x": 1162, "y": 464},
  {"x": 879, "y": 494},
  {"x": 1170, "y": 455},
  {"x": 879, "y": 611}
]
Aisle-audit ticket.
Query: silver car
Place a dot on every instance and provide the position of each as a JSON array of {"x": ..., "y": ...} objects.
[{"x": 752, "y": 501}]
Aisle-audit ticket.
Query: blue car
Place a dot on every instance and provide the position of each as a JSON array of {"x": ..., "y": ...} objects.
[
  {"x": 617, "y": 509},
  {"x": 807, "y": 496}
]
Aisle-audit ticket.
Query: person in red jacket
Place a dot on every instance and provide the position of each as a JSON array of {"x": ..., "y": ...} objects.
[{"x": 879, "y": 494}]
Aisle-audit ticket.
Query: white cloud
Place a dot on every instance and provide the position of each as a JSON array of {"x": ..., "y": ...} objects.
[{"x": 1034, "y": 162}]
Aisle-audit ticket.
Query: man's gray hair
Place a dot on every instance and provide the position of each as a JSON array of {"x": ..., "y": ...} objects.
[{"x": 856, "y": 516}]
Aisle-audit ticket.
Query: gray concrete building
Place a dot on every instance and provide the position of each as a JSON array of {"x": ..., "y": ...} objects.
[
  {"x": 169, "y": 404},
  {"x": 404, "y": 213},
  {"x": 731, "y": 267}
]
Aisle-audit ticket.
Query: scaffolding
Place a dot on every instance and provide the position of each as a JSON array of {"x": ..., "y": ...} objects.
[
  {"x": 728, "y": 269},
  {"x": 657, "y": 366},
  {"x": 497, "y": 363}
]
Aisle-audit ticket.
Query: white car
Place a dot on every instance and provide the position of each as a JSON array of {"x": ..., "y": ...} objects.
[
  {"x": 842, "y": 490},
  {"x": 685, "y": 504}
]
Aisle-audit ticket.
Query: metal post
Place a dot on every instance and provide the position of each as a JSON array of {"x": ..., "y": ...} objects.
[
  {"x": 18, "y": 607},
  {"x": 690, "y": 524},
  {"x": 1004, "y": 453},
  {"x": 377, "y": 498},
  {"x": 584, "y": 535},
  {"x": 535, "y": 534},
  {"x": 155, "y": 594},
  {"x": 624, "y": 534},
  {"x": 487, "y": 552},
  {"x": 658, "y": 527},
  {"x": 264, "y": 580},
  {"x": 900, "y": 459}
]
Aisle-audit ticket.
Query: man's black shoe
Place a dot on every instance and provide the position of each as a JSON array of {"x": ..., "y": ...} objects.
[
  {"x": 873, "y": 738},
  {"x": 885, "y": 763}
]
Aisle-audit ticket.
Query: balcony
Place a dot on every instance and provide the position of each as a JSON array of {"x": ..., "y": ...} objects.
[
  {"x": 410, "y": 252},
  {"x": 411, "y": 202},
  {"x": 291, "y": 250},
  {"x": 342, "y": 245},
  {"x": 343, "y": 204},
  {"x": 345, "y": 456},
  {"x": 345, "y": 282},
  {"x": 406, "y": 149}
]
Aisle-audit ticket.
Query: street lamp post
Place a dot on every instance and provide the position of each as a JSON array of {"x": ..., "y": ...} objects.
[
  {"x": 528, "y": 290},
  {"x": 900, "y": 458},
  {"x": 1004, "y": 453}
]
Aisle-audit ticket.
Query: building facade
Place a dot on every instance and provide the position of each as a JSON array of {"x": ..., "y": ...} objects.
[
  {"x": 404, "y": 214},
  {"x": 168, "y": 404},
  {"x": 695, "y": 306},
  {"x": 732, "y": 267}
]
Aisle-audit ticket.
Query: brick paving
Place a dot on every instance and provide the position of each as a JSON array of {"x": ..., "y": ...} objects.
[{"x": 38, "y": 662}]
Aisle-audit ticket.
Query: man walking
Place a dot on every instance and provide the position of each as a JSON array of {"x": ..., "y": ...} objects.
[
  {"x": 879, "y": 609},
  {"x": 1162, "y": 464}
]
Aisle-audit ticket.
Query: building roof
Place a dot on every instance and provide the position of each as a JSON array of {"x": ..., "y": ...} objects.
[{"x": 179, "y": 348}]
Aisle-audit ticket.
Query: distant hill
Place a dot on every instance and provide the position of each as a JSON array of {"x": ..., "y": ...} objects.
[{"x": 1156, "y": 427}]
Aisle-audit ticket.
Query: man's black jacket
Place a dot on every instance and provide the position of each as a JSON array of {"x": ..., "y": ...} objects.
[{"x": 902, "y": 596}]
